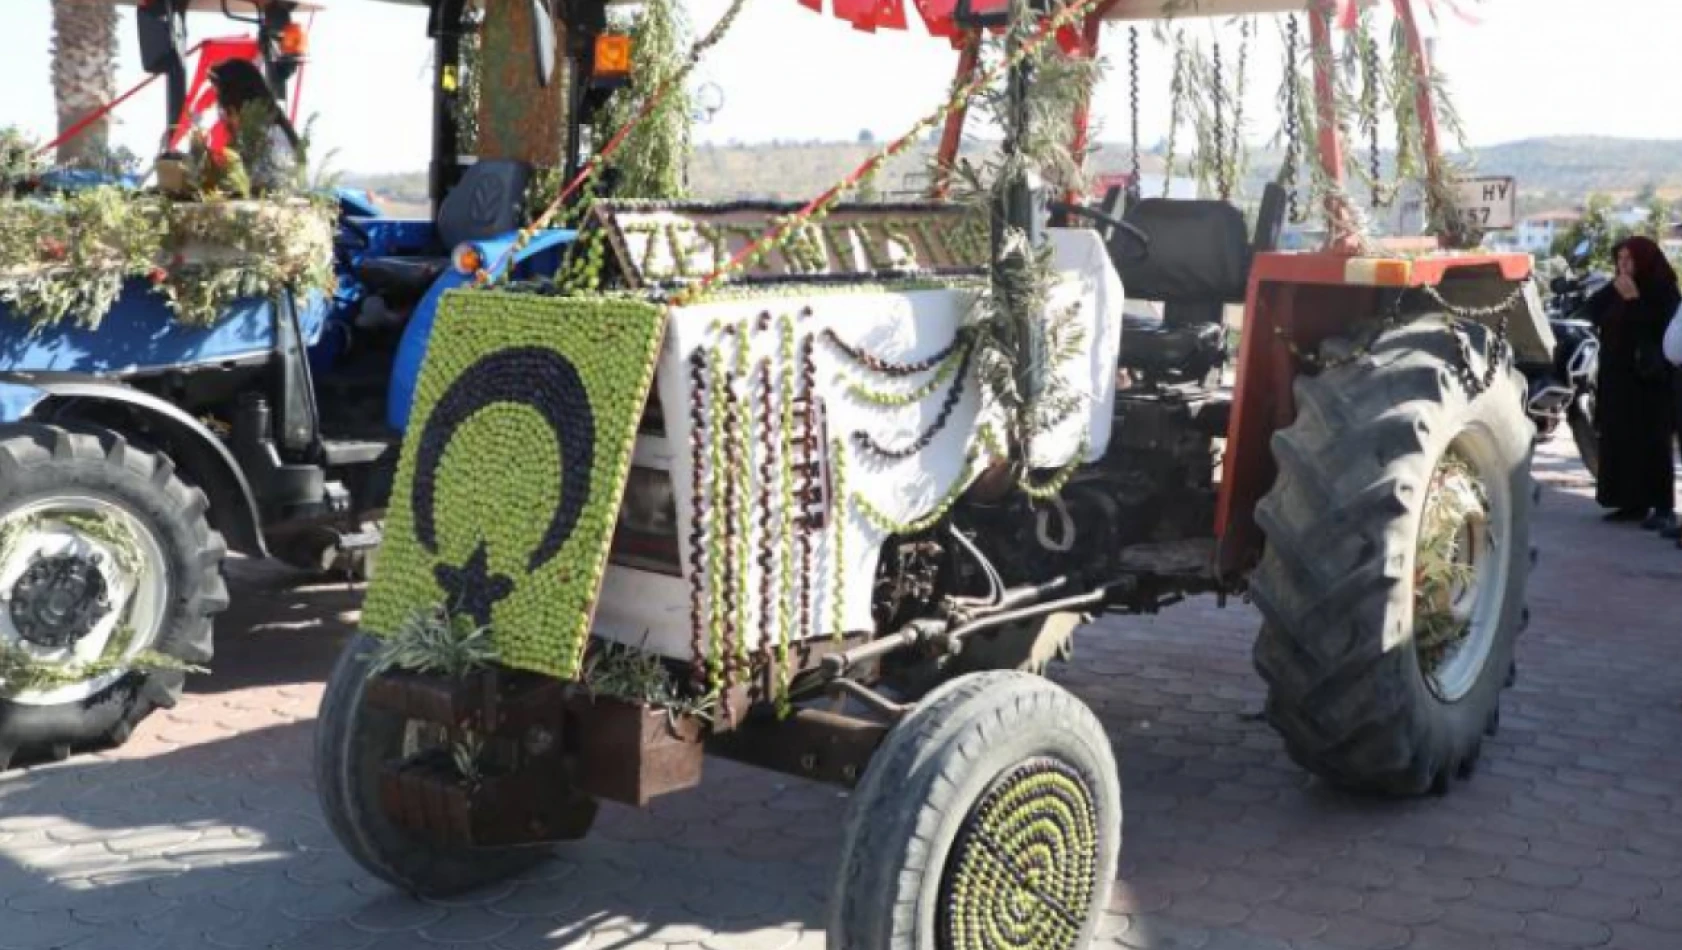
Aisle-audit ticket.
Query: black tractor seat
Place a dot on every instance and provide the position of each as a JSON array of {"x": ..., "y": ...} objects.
[
  {"x": 1198, "y": 263},
  {"x": 486, "y": 203}
]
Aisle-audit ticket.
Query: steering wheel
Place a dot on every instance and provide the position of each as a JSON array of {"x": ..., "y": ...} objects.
[{"x": 1140, "y": 239}]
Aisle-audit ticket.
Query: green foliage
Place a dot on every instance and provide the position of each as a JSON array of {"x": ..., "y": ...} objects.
[
  {"x": 652, "y": 161},
  {"x": 501, "y": 472},
  {"x": 1016, "y": 335},
  {"x": 637, "y": 676},
  {"x": 18, "y": 160},
  {"x": 433, "y": 641},
  {"x": 68, "y": 261},
  {"x": 1597, "y": 227},
  {"x": 1441, "y": 569}
]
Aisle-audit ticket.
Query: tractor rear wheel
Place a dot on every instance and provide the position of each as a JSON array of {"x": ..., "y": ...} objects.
[
  {"x": 989, "y": 818},
  {"x": 1392, "y": 586}
]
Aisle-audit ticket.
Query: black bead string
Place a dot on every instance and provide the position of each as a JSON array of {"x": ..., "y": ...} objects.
[
  {"x": 699, "y": 518},
  {"x": 886, "y": 367},
  {"x": 731, "y": 603},
  {"x": 767, "y": 537},
  {"x": 954, "y": 394},
  {"x": 808, "y": 479}
]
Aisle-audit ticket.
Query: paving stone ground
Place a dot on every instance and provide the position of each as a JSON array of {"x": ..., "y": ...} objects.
[{"x": 204, "y": 830}]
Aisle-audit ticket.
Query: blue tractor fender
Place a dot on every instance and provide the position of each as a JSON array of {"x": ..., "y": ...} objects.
[
  {"x": 411, "y": 349},
  {"x": 196, "y": 451}
]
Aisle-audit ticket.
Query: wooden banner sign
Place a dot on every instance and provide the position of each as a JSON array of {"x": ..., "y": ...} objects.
[{"x": 667, "y": 244}]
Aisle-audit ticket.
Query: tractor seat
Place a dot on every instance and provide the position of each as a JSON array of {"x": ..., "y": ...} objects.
[
  {"x": 1198, "y": 263},
  {"x": 401, "y": 278},
  {"x": 1165, "y": 351},
  {"x": 486, "y": 203}
]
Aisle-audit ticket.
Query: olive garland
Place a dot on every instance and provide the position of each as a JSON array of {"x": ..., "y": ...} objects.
[
  {"x": 1055, "y": 485},
  {"x": 838, "y": 602},
  {"x": 768, "y": 609},
  {"x": 741, "y": 473},
  {"x": 786, "y": 518},
  {"x": 699, "y": 537},
  {"x": 889, "y": 526},
  {"x": 877, "y": 364},
  {"x": 954, "y": 394},
  {"x": 948, "y": 367},
  {"x": 717, "y": 557},
  {"x": 808, "y": 519}
]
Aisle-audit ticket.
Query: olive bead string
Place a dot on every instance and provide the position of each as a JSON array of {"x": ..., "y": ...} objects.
[
  {"x": 807, "y": 520},
  {"x": 768, "y": 536},
  {"x": 741, "y": 475},
  {"x": 785, "y": 515},
  {"x": 954, "y": 394},
  {"x": 698, "y": 535}
]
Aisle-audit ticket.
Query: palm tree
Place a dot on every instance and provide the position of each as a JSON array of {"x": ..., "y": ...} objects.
[{"x": 84, "y": 72}]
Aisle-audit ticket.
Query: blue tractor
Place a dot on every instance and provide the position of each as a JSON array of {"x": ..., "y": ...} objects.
[{"x": 136, "y": 454}]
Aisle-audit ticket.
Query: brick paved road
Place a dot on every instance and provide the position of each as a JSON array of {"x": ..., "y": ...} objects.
[{"x": 203, "y": 832}]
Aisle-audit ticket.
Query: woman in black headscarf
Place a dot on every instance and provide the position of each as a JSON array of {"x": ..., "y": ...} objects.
[
  {"x": 242, "y": 94},
  {"x": 1637, "y": 471}
]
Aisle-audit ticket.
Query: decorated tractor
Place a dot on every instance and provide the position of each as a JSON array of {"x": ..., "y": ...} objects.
[
  {"x": 197, "y": 366},
  {"x": 825, "y": 488}
]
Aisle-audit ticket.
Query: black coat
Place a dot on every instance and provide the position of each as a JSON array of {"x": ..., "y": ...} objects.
[{"x": 1634, "y": 407}]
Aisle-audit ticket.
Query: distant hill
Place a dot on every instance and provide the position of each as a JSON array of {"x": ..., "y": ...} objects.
[{"x": 1551, "y": 171}]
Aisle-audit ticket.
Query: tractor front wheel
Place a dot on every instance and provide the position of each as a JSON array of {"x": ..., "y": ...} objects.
[
  {"x": 110, "y": 575},
  {"x": 353, "y": 742},
  {"x": 989, "y": 818},
  {"x": 1392, "y": 586}
]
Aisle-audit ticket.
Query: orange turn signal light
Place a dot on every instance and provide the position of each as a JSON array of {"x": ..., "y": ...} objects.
[
  {"x": 467, "y": 260},
  {"x": 294, "y": 41},
  {"x": 613, "y": 56}
]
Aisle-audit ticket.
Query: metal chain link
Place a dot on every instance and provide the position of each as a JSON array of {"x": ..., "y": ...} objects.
[
  {"x": 1292, "y": 128},
  {"x": 1223, "y": 180},
  {"x": 1499, "y": 350},
  {"x": 1497, "y": 354},
  {"x": 1369, "y": 115},
  {"x": 1133, "y": 185},
  {"x": 1238, "y": 95}
]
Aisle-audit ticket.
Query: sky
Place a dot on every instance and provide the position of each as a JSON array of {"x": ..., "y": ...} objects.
[{"x": 1529, "y": 68}]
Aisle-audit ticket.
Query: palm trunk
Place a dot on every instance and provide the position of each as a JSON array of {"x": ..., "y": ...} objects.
[{"x": 84, "y": 72}]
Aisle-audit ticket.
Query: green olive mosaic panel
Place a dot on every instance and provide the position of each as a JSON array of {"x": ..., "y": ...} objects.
[{"x": 513, "y": 467}]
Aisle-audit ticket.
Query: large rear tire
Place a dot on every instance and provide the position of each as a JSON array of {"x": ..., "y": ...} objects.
[
  {"x": 1385, "y": 660},
  {"x": 105, "y": 555},
  {"x": 353, "y": 740},
  {"x": 989, "y": 819}
]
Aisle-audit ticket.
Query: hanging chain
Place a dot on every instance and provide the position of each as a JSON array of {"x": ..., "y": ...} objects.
[
  {"x": 1177, "y": 93},
  {"x": 1238, "y": 96},
  {"x": 1293, "y": 151},
  {"x": 1223, "y": 180},
  {"x": 1499, "y": 350},
  {"x": 1133, "y": 183},
  {"x": 1369, "y": 110},
  {"x": 1497, "y": 354}
]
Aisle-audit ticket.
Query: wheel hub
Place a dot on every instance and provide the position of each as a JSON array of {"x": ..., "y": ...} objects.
[
  {"x": 1456, "y": 551},
  {"x": 58, "y": 600},
  {"x": 1024, "y": 865}
]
